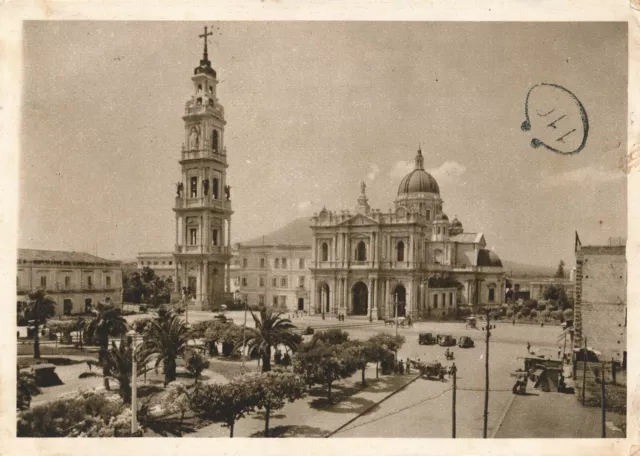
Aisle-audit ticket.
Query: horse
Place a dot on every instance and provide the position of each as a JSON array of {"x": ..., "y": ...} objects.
[{"x": 389, "y": 322}]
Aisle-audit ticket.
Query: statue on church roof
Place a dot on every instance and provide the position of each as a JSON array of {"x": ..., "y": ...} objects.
[
  {"x": 179, "y": 188},
  {"x": 227, "y": 191},
  {"x": 363, "y": 187}
]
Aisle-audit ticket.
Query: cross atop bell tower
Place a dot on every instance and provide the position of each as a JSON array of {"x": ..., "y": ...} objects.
[{"x": 205, "y": 55}]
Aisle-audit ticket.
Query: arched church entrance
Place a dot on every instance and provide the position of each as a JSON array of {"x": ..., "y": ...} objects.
[
  {"x": 400, "y": 298},
  {"x": 360, "y": 298}
]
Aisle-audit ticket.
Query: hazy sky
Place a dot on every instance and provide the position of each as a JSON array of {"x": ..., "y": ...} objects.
[{"x": 313, "y": 108}]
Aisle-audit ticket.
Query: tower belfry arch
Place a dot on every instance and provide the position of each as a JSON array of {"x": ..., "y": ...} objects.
[{"x": 202, "y": 209}]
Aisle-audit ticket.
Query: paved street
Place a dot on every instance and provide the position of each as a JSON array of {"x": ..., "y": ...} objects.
[{"x": 424, "y": 408}]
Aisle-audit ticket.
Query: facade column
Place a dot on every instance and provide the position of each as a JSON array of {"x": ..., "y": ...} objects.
[
  {"x": 375, "y": 299},
  {"x": 177, "y": 233},
  {"x": 312, "y": 296},
  {"x": 370, "y": 300},
  {"x": 205, "y": 280},
  {"x": 176, "y": 277},
  {"x": 345, "y": 297},
  {"x": 335, "y": 297}
]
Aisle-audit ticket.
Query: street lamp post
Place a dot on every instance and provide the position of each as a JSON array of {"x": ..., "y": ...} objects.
[
  {"x": 244, "y": 329},
  {"x": 134, "y": 383}
]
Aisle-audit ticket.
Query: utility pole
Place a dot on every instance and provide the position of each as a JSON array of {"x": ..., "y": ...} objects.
[
  {"x": 584, "y": 370},
  {"x": 454, "y": 371},
  {"x": 603, "y": 403},
  {"x": 487, "y": 328}
]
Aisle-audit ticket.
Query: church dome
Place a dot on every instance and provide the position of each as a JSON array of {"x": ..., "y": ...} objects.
[
  {"x": 418, "y": 180},
  {"x": 441, "y": 217},
  {"x": 456, "y": 223}
]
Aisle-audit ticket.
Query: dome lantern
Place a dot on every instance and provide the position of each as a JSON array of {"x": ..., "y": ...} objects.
[{"x": 418, "y": 180}]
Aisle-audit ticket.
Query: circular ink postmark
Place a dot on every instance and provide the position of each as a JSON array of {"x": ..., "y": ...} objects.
[{"x": 556, "y": 118}]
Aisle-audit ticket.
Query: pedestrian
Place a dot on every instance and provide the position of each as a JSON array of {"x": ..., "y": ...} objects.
[
  {"x": 542, "y": 324},
  {"x": 528, "y": 347},
  {"x": 401, "y": 368},
  {"x": 559, "y": 352},
  {"x": 408, "y": 366}
]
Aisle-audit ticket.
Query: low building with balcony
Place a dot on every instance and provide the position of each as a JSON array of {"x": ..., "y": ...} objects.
[
  {"x": 76, "y": 281},
  {"x": 409, "y": 261},
  {"x": 273, "y": 270}
]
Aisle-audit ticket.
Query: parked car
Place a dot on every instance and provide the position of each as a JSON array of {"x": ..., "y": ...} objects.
[
  {"x": 466, "y": 342},
  {"x": 426, "y": 339},
  {"x": 446, "y": 340}
]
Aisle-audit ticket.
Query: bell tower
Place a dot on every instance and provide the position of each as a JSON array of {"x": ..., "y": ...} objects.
[{"x": 203, "y": 196}]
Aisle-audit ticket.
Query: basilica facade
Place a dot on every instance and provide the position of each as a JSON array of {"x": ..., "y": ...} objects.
[
  {"x": 202, "y": 208},
  {"x": 411, "y": 260}
]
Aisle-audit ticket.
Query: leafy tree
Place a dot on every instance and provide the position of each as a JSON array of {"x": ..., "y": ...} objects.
[
  {"x": 195, "y": 363},
  {"x": 109, "y": 322},
  {"x": 322, "y": 363},
  {"x": 270, "y": 331},
  {"x": 332, "y": 336},
  {"x": 509, "y": 313},
  {"x": 165, "y": 340},
  {"x": 39, "y": 308},
  {"x": 133, "y": 288},
  {"x": 27, "y": 388},
  {"x": 557, "y": 315},
  {"x": 526, "y": 311},
  {"x": 533, "y": 313},
  {"x": 225, "y": 403},
  {"x": 560, "y": 270},
  {"x": 363, "y": 353},
  {"x": 568, "y": 314},
  {"x": 276, "y": 388},
  {"x": 390, "y": 342},
  {"x": 531, "y": 304}
]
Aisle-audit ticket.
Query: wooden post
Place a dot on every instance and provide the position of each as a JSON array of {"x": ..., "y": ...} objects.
[
  {"x": 453, "y": 402},
  {"x": 603, "y": 403},
  {"x": 584, "y": 370}
]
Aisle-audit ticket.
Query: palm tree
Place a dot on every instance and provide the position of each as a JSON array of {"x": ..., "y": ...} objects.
[
  {"x": 166, "y": 338},
  {"x": 271, "y": 331},
  {"x": 118, "y": 362},
  {"x": 109, "y": 322},
  {"x": 39, "y": 309}
]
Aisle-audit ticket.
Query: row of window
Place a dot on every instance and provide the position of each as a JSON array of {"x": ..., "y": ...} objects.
[
  {"x": 361, "y": 252},
  {"x": 155, "y": 263},
  {"x": 278, "y": 263},
  {"x": 274, "y": 281},
  {"x": 67, "y": 281}
]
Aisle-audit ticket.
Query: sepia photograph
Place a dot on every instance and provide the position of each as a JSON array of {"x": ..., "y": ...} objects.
[{"x": 322, "y": 229}]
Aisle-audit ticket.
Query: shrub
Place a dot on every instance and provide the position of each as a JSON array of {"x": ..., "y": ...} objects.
[
  {"x": 195, "y": 363},
  {"x": 533, "y": 314},
  {"x": 142, "y": 308},
  {"x": 82, "y": 414},
  {"x": 542, "y": 306},
  {"x": 176, "y": 399},
  {"x": 509, "y": 313},
  {"x": 27, "y": 388},
  {"x": 525, "y": 311}
]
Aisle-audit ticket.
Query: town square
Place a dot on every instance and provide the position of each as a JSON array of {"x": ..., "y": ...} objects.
[{"x": 322, "y": 229}]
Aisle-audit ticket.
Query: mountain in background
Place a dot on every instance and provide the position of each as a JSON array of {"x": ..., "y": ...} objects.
[{"x": 530, "y": 270}]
